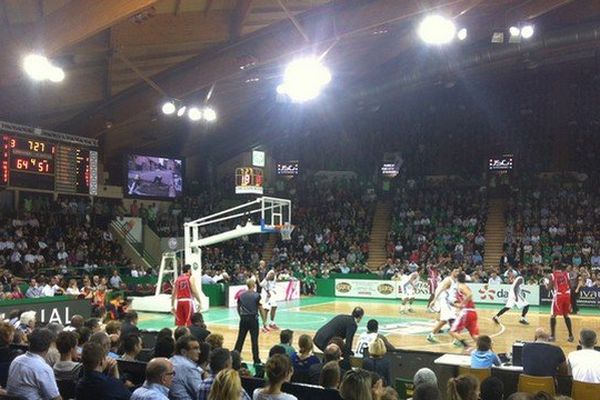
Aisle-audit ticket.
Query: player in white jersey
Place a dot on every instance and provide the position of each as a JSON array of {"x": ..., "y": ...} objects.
[
  {"x": 269, "y": 288},
  {"x": 408, "y": 287},
  {"x": 516, "y": 297},
  {"x": 444, "y": 301}
]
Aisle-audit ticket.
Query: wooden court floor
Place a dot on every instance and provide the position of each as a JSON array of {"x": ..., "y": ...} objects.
[{"x": 406, "y": 331}]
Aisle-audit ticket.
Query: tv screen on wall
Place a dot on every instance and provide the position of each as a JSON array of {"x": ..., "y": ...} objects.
[{"x": 154, "y": 177}]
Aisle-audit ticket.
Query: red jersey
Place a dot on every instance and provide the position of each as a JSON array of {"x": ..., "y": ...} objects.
[
  {"x": 184, "y": 291},
  {"x": 560, "y": 281},
  {"x": 460, "y": 298}
]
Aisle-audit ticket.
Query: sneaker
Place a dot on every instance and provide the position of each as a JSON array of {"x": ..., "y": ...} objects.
[
  {"x": 552, "y": 339},
  {"x": 570, "y": 339},
  {"x": 496, "y": 320},
  {"x": 410, "y": 310},
  {"x": 432, "y": 339},
  {"x": 459, "y": 343},
  {"x": 524, "y": 321},
  {"x": 273, "y": 326}
]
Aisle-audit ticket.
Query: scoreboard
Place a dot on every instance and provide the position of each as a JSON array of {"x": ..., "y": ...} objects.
[{"x": 33, "y": 163}]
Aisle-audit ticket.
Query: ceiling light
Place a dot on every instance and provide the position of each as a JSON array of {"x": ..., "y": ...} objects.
[
  {"x": 181, "y": 111},
  {"x": 194, "y": 114},
  {"x": 37, "y": 66},
  {"x": 462, "y": 34},
  {"x": 56, "y": 74},
  {"x": 514, "y": 31},
  {"x": 209, "y": 114},
  {"x": 435, "y": 29},
  {"x": 527, "y": 31},
  {"x": 304, "y": 79},
  {"x": 168, "y": 108}
]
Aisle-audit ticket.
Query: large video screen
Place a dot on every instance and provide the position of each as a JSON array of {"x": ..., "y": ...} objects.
[{"x": 157, "y": 177}]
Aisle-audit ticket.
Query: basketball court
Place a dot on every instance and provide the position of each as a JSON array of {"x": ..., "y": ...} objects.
[{"x": 406, "y": 331}]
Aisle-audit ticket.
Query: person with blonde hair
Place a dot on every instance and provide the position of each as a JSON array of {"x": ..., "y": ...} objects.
[
  {"x": 464, "y": 387},
  {"x": 227, "y": 386},
  {"x": 278, "y": 370},
  {"x": 377, "y": 363},
  {"x": 356, "y": 385},
  {"x": 303, "y": 359}
]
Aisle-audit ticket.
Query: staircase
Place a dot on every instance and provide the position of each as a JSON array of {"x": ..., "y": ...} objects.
[
  {"x": 494, "y": 232},
  {"x": 267, "y": 251},
  {"x": 382, "y": 222}
]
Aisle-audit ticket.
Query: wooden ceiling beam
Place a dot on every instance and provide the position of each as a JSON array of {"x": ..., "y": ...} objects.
[
  {"x": 69, "y": 25},
  {"x": 238, "y": 17},
  {"x": 277, "y": 43}
]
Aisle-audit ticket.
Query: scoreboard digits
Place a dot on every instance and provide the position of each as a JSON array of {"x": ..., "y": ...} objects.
[{"x": 39, "y": 164}]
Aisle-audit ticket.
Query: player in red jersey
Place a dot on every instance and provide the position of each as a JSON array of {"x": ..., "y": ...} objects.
[
  {"x": 184, "y": 291},
  {"x": 561, "y": 299},
  {"x": 434, "y": 279},
  {"x": 467, "y": 317}
]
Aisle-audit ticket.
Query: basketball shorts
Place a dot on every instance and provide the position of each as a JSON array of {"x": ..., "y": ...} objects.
[
  {"x": 269, "y": 302},
  {"x": 561, "y": 304},
  {"x": 518, "y": 302},
  {"x": 447, "y": 312},
  {"x": 467, "y": 319},
  {"x": 184, "y": 311}
]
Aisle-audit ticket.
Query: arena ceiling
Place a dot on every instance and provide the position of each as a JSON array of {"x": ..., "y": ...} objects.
[{"x": 114, "y": 52}]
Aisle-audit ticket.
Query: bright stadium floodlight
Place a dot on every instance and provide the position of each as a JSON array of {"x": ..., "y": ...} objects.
[
  {"x": 209, "y": 114},
  {"x": 56, "y": 74},
  {"x": 437, "y": 30},
  {"x": 304, "y": 79},
  {"x": 527, "y": 31},
  {"x": 195, "y": 114},
  {"x": 462, "y": 34},
  {"x": 168, "y": 107},
  {"x": 181, "y": 111},
  {"x": 37, "y": 67},
  {"x": 514, "y": 31}
]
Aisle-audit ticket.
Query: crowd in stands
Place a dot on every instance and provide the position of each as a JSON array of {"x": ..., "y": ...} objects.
[
  {"x": 88, "y": 359},
  {"x": 433, "y": 220}
]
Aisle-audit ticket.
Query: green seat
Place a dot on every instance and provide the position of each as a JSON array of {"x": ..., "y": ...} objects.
[{"x": 405, "y": 388}]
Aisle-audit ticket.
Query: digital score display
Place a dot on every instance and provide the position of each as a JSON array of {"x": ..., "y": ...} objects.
[{"x": 40, "y": 164}]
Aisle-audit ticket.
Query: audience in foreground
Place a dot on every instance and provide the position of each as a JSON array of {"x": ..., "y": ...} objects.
[
  {"x": 278, "y": 370},
  {"x": 584, "y": 364},
  {"x": 159, "y": 376}
]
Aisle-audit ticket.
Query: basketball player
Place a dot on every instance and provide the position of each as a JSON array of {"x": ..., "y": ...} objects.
[
  {"x": 561, "y": 299},
  {"x": 467, "y": 316},
  {"x": 269, "y": 287},
  {"x": 409, "y": 286},
  {"x": 444, "y": 301},
  {"x": 184, "y": 291},
  {"x": 434, "y": 279},
  {"x": 516, "y": 297}
]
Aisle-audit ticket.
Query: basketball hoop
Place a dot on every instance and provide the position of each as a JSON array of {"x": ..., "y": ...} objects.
[{"x": 286, "y": 231}]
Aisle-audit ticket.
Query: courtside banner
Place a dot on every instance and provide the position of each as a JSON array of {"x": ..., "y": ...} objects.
[
  {"x": 366, "y": 288},
  {"x": 588, "y": 297},
  {"x": 286, "y": 290},
  {"x": 484, "y": 293}
]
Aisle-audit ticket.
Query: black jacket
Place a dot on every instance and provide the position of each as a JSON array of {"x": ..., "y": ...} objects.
[{"x": 342, "y": 325}]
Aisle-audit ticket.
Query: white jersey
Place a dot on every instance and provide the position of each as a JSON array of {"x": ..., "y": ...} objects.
[
  {"x": 446, "y": 299},
  {"x": 363, "y": 343},
  {"x": 516, "y": 297},
  {"x": 268, "y": 293},
  {"x": 407, "y": 285}
]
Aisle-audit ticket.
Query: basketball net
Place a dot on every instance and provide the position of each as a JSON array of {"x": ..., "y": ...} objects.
[{"x": 286, "y": 231}]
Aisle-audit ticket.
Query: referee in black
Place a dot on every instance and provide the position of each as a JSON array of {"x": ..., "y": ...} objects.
[{"x": 248, "y": 306}]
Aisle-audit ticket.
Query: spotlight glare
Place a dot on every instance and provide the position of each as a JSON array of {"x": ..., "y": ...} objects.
[
  {"x": 514, "y": 31},
  {"x": 435, "y": 29},
  {"x": 181, "y": 111},
  {"x": 56, "y": 74},
  {"x": 527, "y": 31},
  {"x": 462, "y": 34},
  {"x": 209, "y": 114},
  {"x": 37, "y": 66},
  {"x": 168, "y": 108},
  {"x": 194, "y": 114},
  {"x": 304, "y": 79}
]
